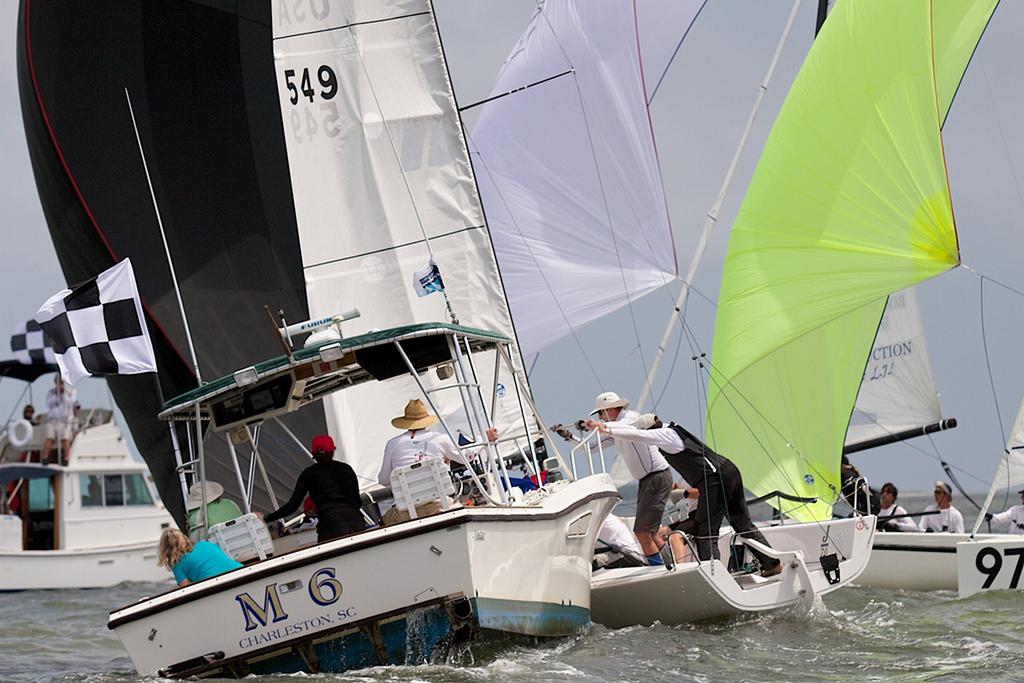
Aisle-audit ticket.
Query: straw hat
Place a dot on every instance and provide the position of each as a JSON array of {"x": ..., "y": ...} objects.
[
  {"x": 416, "y": 416},
  {"x": 195, "y": 494},
  {"x": 608, "y": 399}
]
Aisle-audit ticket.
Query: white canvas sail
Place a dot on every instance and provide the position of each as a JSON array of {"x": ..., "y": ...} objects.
[
  {"x": 379, "y": 165},
  {"x": 898, "y": 390},
  {"x": 568, "y": 169},
  {"x": 1010, "y": 472}
]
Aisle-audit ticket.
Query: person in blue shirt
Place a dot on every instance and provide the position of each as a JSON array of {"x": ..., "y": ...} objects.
[{"x": 191, "y": 562}]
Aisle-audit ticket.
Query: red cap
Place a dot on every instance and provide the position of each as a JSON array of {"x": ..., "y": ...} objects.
[{"x": 322, "y": 444}]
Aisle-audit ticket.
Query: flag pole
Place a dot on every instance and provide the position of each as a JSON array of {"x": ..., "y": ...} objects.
[
  {"x": 181, "y": 310},
  {"x": 163, "y": 236}
]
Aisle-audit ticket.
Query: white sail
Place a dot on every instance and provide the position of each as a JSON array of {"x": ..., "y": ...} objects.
[
  {"x": 1010, "y": 472},
  {"x": 898, "y": 391},
  {"x": 379, "y": 164},
  {"x": 568, "y": 169}
]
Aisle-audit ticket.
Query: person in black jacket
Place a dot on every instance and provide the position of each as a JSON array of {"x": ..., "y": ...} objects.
[
  {"x": 334, "y": 489},
  {"x": 716, "y": 478}
]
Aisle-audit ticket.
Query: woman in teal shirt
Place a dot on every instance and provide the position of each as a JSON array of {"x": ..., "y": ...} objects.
[{"x": 192, "y": 562}]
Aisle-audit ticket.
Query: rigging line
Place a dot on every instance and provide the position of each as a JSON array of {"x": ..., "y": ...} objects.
[
  {"x": 398, "y": 159},
  {"x": 771, "y": 458},
  {"x": 711, "y": 218},
  {"x": 992, "y": 279},
  {"x": 767, "y": 422},
  {"x": 604, "y": 193},
  {"x": 514, "y": 91},
  {"x": 671, "y": 370},
  {"x": 675, "y": 52},
  {"x": 533, "y": 257},
  {"x": 988, "y": 362},
  {"x": 1002, "y": 134}
]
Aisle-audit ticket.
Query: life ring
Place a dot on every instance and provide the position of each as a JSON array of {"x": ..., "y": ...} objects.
[{"x": 20, "y": 433}]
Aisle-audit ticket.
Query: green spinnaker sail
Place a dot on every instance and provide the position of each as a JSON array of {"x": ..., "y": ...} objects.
[{"x": 849, "y": 203}]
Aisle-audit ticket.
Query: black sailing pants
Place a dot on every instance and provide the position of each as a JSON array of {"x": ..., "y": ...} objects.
[{"x": 720, "y": 498}]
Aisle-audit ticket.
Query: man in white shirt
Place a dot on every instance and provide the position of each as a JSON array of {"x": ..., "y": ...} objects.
[
  {"x": 716, "y": 478},
  {"x": 414, "y": 445},
  {"x": 1014, "y": 516},
  {"x": 890, "y": 509},
  {"x": 646, "y": 465},
  {"x": 948, "y": 519},
  {"x": 60, "y": 404}
]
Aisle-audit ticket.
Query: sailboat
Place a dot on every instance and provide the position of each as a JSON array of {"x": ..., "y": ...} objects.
[
  {"x": 381, "y": 183},
  {"x": 566, "y": 239}
]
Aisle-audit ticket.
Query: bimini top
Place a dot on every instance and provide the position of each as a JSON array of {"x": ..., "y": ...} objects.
[{"x": 285, "y": 384}]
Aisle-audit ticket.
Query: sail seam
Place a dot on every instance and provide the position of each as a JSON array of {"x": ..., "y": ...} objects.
[
  {"x": 351, "y": 25},
  {"x": 392, "y": 247}
]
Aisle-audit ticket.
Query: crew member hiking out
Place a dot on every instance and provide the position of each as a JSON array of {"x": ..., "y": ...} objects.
[
  {"x": 646, "y": 465},
  {"x": 716, "y": 478}
]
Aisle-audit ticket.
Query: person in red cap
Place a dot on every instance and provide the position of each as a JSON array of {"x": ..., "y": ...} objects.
[{"x": 334, "y": 489}]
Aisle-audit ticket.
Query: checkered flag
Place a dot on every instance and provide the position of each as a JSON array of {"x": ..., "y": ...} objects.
[
  {"x": 30, "y": 345},
  {"x": 98, "y": 327}
]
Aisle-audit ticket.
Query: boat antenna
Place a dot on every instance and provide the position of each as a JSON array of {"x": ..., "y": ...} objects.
[
  {"x": 163, "y": 236},
  {"x": 712, "y": 215}
]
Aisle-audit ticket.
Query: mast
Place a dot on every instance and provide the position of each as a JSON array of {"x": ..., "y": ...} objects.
[{"x": 711, "y": 218}]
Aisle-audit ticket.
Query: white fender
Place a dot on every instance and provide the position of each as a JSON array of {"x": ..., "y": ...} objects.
[{"x": 20, "y": 433}]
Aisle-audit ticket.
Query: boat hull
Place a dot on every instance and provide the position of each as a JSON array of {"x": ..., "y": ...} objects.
[
  {"x": 522, "y": 570},
  {"x": 95, "y": 568},
  {"x": 695, "y": 591},
  {"x": 916, "y": 561},
  {"x": 990, "y": 564}
]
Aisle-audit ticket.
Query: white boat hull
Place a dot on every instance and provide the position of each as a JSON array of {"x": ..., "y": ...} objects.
[
  {"x": 916, "y": 561},
  {"x": 517, "y": 570},
  {"x": 992, "y": 563},
  {"x": 93, "y": 568},
  {"x": 695, "y": 591}
]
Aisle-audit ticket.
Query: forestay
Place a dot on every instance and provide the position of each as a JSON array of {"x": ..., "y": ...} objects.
[
  {"x": 378, "y": 164},
  {"x": 849, "y": 204},
  {"x": 897, "y": 392},
  {"x": 568, "y": 169}
]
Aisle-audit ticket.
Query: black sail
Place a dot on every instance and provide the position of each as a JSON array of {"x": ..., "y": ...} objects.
[{"x": 201, "y": 78}]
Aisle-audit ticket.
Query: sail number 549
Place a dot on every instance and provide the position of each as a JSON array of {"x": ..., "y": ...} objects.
[
  {"x": 989, "y": 562},
  {"x": 328, "y": 82}
]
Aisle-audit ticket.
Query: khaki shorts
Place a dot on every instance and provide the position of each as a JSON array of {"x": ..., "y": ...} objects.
[
  {"x": 58, "y": 431},
  {"x": 651, "y": 500},
  {"x": 395, "y": 515}
]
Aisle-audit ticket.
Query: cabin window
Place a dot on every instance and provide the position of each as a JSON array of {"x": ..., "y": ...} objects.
[
  {"x": 113, "y": 489},
  {"x": 40, "y": 494},
  {"x": 136, "y": 491},
  {"x": 92, "y": 490}
]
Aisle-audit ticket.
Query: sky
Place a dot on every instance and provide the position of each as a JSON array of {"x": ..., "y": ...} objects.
[{"x": 698, "y": 116}]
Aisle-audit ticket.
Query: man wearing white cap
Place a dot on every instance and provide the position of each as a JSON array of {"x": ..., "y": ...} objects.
[
  {"x": 717, "y": 479},
  {"x": 1014, "y": 515},
  {"x": 412, "y": 446},
  {"x": 948, "y": 518},
  {"x": 646, "y": 464}
]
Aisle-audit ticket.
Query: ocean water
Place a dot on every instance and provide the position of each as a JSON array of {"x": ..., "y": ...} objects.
[{"x": 854, "y": 634}]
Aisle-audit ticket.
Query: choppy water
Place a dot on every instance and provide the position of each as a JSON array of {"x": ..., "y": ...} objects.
[{"x": 857, "y": 633}]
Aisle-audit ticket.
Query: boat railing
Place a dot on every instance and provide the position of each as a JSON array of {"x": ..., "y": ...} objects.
[
  {"x": 861, "y": 484},
  {"x": 583, "y": 448}
]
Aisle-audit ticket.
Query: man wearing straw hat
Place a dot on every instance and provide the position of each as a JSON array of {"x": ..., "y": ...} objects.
[
  {"x": 412, "y": 446},
  {"x": 218, "y": 508},
  {"x": 646, "y": 464}
]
